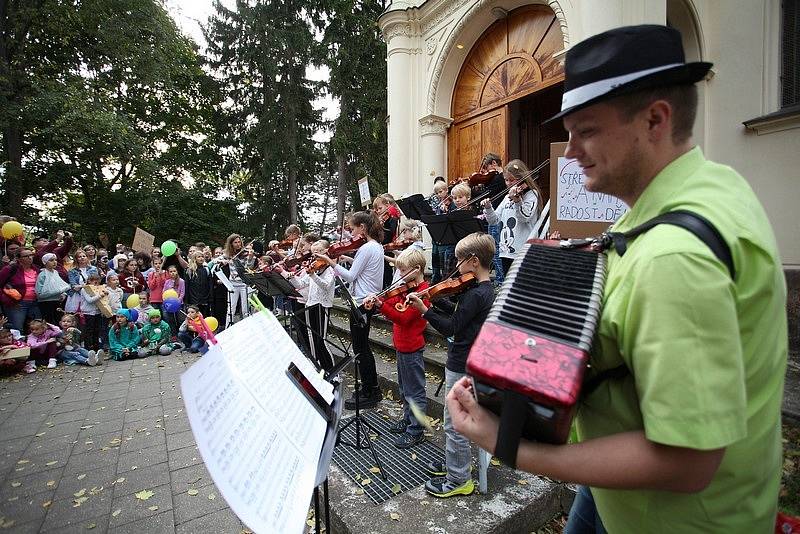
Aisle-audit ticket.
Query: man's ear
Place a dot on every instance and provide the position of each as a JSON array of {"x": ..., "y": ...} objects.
[{"x": 659, "y": 120}]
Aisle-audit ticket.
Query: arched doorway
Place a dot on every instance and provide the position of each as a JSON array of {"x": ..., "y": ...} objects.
[{"x": 508, "y": 84}]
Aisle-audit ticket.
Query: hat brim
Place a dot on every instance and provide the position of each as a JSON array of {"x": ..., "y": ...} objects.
[{"x": 686, "y": 74}]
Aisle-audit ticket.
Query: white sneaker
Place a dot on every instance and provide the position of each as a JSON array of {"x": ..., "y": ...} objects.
[
  {"x": 30, "y": 367},
  {"x": 92, "y": 358},
  {"x": 52, "y": 364},
  {"x": 101, "y": 354}
]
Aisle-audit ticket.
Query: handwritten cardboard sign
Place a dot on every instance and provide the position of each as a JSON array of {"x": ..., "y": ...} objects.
[{"x": 143, "y": 241}]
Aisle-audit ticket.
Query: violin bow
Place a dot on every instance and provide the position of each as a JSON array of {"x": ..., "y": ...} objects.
[{"x": 400, "y": 281}]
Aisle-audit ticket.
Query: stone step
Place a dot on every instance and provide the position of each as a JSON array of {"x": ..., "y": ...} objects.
[{"x": 515, "y": 501}]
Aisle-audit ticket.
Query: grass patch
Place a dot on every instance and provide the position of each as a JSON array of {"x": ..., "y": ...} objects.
[{"x": 789, "y": 499}]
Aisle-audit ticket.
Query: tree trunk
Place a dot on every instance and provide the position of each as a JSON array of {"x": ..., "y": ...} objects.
[
  {"x": 341, "y": 196},
  {"x": 14, "y": 180}
]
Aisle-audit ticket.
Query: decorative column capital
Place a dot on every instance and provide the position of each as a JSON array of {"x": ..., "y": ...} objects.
[{"x": 434, "y": 125}]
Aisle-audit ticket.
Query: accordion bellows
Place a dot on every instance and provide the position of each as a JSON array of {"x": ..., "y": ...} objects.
[{"x": 537, "y": 337}]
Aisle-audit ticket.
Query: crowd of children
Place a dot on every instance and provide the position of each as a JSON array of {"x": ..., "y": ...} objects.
[{"x": 118, "y": 305}]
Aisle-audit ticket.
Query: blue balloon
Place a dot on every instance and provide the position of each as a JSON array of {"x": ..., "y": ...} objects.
[
  {"x": 134, "y": 315},
  {"x": 172, "y": 305}
]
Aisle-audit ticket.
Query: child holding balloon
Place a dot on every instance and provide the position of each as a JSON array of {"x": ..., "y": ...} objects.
[
  {"x": 192, "y": 333},
  {"x": 174, "y": 290},
  {"x": 155, "y": 336}
]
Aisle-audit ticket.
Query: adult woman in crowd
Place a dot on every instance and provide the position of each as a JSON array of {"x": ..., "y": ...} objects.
[
  {"x": 78, "y": 276},
  {"x": 18, "y": 295}
]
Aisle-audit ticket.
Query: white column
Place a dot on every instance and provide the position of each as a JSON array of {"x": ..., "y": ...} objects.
[
  {"x": 433, "y": 152},
  {"x": 614, "y": 13},
  {"x": 400, "y": 91}
]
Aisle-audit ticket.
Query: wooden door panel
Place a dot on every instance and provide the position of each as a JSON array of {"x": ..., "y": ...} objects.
[{"x": 469, "y": 140}]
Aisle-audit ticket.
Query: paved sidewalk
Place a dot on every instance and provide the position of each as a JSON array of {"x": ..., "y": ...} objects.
[{"x": 78, "y": 444}]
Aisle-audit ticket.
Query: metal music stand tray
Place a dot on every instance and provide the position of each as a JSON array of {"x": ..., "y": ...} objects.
[
  {"x": 450, "y": 228},
  {"x": 415, "y": 206}
]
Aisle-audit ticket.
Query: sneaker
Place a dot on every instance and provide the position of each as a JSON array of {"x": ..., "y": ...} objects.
[
  {"x": 92, "y": 358},
  {"x": 52, "y": 363},
  {"x": 30, "y": 367},
  {"x": 101, "y": 355},
  {"x": 406, "y": 440},
  {"x": 443, "y": 488},
  {"x": 365, "y": 400},
  {"x": 436, "y": 468},
  {"x": 399, "y": 427}
]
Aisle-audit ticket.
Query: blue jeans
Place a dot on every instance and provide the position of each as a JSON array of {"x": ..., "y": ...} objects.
[
  {"x": 583, "y": 516},
  {"x": 458, "y": 454},
  {"x": 499, "y": 274},
  {"x": 76, "y": 355},
  {"x": 193, "y": 345},
  {"x": 411, "y": 379},
  {"x": 19, "y": 314}
]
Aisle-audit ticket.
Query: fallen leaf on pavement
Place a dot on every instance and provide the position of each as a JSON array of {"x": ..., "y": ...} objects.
[
  {"x": 115, "y": 513},
  {"x": 144, "y": 495},
  {"x": 395, "y": 516},
  {"x": 152, "y": 508},
  {"x": 81, "y": 477},
  {"x": 192, "y": 492}
]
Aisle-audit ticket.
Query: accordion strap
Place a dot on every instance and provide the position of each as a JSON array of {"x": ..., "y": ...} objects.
[
  {"x": 509, "y": 433},
  {"x": 694, "y": 223}
]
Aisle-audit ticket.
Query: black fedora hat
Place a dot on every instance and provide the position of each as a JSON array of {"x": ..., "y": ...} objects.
[{"x": 625, "y": 60}]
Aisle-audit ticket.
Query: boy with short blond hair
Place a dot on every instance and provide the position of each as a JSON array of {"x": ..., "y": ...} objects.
[
  {"x": 408, "y": 338},
  {"x": 463, "y": 321}
]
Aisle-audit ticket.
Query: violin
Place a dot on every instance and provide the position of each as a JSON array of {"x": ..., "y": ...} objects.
[
  {"x": 476, "y": 178},
  {"x": 316, "y": 266},
  {"x": 296, "y": 261},
  {"x": 398, "y": 245},
  {"x": 286, "y": 244},
  {"x": 445, "y": 288},
  {"x": 343, "y": 247}
]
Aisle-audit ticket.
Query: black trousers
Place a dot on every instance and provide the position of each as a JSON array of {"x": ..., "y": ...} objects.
[
  {"x": 49, "y": 309},
  {"x": 362, "y": 350},
  {"x": 317, "y": 318}
]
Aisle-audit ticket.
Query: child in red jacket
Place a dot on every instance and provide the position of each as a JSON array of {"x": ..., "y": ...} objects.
[{"x": 409, "y": 342}]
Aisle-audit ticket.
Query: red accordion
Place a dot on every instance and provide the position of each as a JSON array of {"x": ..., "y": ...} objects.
[{"x": 529, "y": 358}]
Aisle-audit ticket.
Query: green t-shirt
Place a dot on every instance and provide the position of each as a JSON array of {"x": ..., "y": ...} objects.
[{"x": 707, "y": 354}]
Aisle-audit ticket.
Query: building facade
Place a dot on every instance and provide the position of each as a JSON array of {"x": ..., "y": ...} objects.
[{"x": 466, "y": 77}]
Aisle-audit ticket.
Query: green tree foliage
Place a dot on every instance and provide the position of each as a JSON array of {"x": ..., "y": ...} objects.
[
  {"x": 104, "y": 102},
  {"x": 356, "y": 57},
  {"x": 260, "y": 51}
]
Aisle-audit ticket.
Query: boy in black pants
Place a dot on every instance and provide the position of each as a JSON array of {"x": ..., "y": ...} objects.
[{"x": 463, "y": 321}]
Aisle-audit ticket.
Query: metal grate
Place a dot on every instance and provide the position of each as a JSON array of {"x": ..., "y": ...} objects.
[
  {"x": 790, "y": 52},
  {"x": 398, "y": 464}
]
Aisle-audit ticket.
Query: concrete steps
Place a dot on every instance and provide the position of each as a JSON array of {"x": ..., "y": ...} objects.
[{"x": 515, "y": 502}]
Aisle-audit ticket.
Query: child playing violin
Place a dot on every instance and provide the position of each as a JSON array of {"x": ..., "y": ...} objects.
[
  {"x": 462, "y": 321},
  {"x": 408, "y": 328},
  {"x": 390, "y": 218}
]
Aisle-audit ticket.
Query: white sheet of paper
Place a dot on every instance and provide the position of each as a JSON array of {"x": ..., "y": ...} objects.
[
  {"x": 259, "y": 437},
  {"x": 224, "y": 279}
]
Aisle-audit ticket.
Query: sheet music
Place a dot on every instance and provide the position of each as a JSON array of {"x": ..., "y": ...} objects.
[
  {"x": 224, "y": 279},
  {"x": 258, "y": 435}
]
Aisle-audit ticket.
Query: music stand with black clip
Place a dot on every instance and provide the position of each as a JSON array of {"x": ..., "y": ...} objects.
[{"x": 362, "y": 440}]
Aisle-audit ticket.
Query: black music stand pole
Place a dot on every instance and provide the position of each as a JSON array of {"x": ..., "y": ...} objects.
[{"x": 362, "y": 440}]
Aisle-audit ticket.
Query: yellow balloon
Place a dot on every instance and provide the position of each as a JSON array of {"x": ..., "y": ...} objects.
[
  {"x": 169, "y": 294},
  {"x": 133, "y": 301},
  {"x": 212, "y": 323},
  {"x": 11, "y": 229}
]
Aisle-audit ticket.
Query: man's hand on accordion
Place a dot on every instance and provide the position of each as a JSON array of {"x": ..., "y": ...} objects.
[{"x": 470, "y": 418}]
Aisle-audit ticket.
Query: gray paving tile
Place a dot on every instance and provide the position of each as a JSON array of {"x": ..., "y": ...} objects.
[
  {"x": 30, "y": 484},
  {"x": 14, "y": 445},
  {"x": 143, "y": 440},
  {"x": 69, "y": 484},
  {"x": 95, "y": 525},
  {"x": 184, "y": 458},
  {"x": 135, "y": 509},
  {"x": 222, "y": 521},
  {"x": 180, "y": 440},
  {"x": 81, "y": 463},
  {"x": 188, "y": 507},
  {"x": 150, "y": 413},
  {"x": 30, "y": 527},
  {"x": 142, "y": 478},
  {"x": 48, "y": 443},
  {"x": 192, "y": 477},
  {"x": 37, "y": 463},
  {"x": 69, "y": 417},
  {"x": 26, "y": 510},
  {"x": 142, "y": 458},
  {"x": 161, "y": 523},
  {"x": 174, "y": 426},
  {"x": 63, "y": 513}
]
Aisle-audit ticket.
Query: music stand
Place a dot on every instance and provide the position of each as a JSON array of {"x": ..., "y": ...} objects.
[
  {"x": 362, "y": 440},
  {"x": 415, "y": 206},
  {"x": 450, "y": 228}
]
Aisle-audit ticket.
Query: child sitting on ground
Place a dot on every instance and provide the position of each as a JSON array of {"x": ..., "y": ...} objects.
[
  {"x": 42, "y": 341},
  {"x": 7, "y": 344},
  {"x": 155, "y": 336},
  {"x": 409, "y": 342},
  {"x": 123, "y": 337},
  {"x": 143, "y": 309},
  {"x": 69, "y": 342},
  {"x": 191, "y": 332}
]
